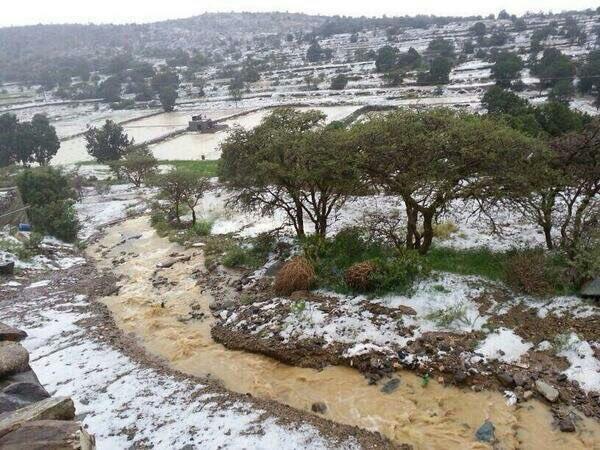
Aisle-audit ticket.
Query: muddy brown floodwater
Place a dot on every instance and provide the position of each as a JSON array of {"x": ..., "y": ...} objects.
[{"x": 432, "y": 417}]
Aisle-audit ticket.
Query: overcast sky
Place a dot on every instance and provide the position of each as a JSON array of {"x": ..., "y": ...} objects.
[{"x": 24, "y": 12}]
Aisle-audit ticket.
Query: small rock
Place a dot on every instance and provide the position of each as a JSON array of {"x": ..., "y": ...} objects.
[
  {"x": 527, "y": 395},
  {"x": 7, "y": 268},
  {"x": 566, "y": 425},
  {"x": 29, "y": 392},
  {"x": 548, "y": 391},
  {"x": 506, "y": 379},
  {"x": 8, "y": 333},
  {"x": 460, "y": 376},
  {"x": 13, "y": 358},
  {"x": 520, "y": 378},
  {"x": 562, "y": 377},
  {"x": 391, "y": 386},
  {"x": 319, "y": 407},
  {"x": 485, "y": 433}
]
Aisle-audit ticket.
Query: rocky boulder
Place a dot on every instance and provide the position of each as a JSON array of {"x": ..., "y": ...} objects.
[
  {"x": 8, "y": 333},
  {"x": 48, "y": 434},
  {"x": 13, "y": 358},
  {"x": 549, "y": 392},
  {"x": 55, "y": 408}
]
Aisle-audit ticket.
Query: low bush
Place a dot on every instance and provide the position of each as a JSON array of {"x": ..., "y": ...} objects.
[
  {"x": 203, "y": 227},
  {"x": 50, "y": 197},
  {"x": 398, "y": 274},
  {"x": 341, "y": 263},
  {"x": 535, "y": 272},
  {"x": 358, "y": 276},
  {"x": 58, "y": 219},
  {"x": 295, "y": 275},
  {"x": 444, "y": 230}
]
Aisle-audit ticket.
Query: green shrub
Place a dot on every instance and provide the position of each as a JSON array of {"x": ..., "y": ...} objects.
[
  {"x": 203, "y": 227},
  {"x": 48, "y": 193},
  {"x": 536, "y": 272},
  {"x": 57, "y": 219},
  {"x": 398, "y": 274},
  {"x": 395, "y": 271},
  {"x": 159, "y": 222}
]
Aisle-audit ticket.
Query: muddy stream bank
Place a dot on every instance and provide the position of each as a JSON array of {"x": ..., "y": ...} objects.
[{"x": 167, "y": 311}]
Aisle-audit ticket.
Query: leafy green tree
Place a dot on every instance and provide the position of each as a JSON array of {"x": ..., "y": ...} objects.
[
  {"x": 409, "y": 60},
  {"x": 387, "y": 58},
  {"x": 8, "y": 138},
  {"x": 500, "y": 101},
  {"x": 503, "y": 15},
  {"x": 168, "y": 97},
  {"x": 50, "y": 197},
  {"x": 433, "y": 157},
  {"x": 468, "y": 47},
  {"x": 291, "y": 163},
  {"x": 236, "y": 88},
  {"x": 557, "y": 118},
  {"x": 560, "y": 191},
  {"x": 589, "y": 74},
  {"x": 439, "y": 72},
  {"x": 110, "y": 89},
  {"x": 27, "y": 142},
  {"x": 520, "y": 25},
  {"x": 339, "y": 82},
  {"x": 166, "y": 78},
  {"x": 553, "y": 67},
  {"x": 442, "y": 47},
  {"x": 136, "y": 166},
  {"x": 182, "y": 187},
  {"x": 479, "y": 29},
  {"x": 393, "y": 78},
  {"x": 44, "y": 139},
  {"x": 562, "y": 91},
  {"x": 316, "y": 53},
  {"x": 506, "y": 68},
  {"x": 107, "y": 143}
]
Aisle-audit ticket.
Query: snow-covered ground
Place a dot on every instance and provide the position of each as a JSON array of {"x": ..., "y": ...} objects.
[{"x": 128, "y": 405}]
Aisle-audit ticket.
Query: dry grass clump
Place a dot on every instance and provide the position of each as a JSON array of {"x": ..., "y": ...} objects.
[
  {"x": 295, "y": 275},
  {"x": 358, "y": 275},
  {"x": 444, "y": 230},
  {"x": 530, "y": 272}
]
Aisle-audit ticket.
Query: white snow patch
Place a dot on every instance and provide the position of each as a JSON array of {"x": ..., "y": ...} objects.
[
  {"x": 503, "y": 345},
  {"x": 585, "y": 367}
]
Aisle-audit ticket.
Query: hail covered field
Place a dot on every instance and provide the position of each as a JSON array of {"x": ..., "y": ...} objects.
[{"x": 166, "y": 325}]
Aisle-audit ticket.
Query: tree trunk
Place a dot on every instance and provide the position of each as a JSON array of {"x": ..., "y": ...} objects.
[
  {"x": 193, "y": 217},
  {"x": 177, "y": 213},
  {"x": 427, "y": 232},
  {"x": 413, "y": 237},
  {"x": 299, "y": 220}
]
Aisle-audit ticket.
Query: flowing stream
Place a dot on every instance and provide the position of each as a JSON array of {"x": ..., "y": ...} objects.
[{"x": 431, "y": 417}]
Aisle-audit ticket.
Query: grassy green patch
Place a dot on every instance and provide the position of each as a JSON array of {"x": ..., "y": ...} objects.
[
  {"x": 202, "y": 168},
  {"x": 477, "y": 261},
  {"x": 206, "y": 168},
  {"x": 395, "y": 271}
]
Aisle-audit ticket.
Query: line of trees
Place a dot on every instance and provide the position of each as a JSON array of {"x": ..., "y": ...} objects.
[{"x": 293, "y": 162}]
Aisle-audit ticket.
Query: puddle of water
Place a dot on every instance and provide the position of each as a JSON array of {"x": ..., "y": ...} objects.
[
  {"x": 187, "y": 146},
  {"x": 196, "y": 145},
  {"x": 432, "y": 417}
]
